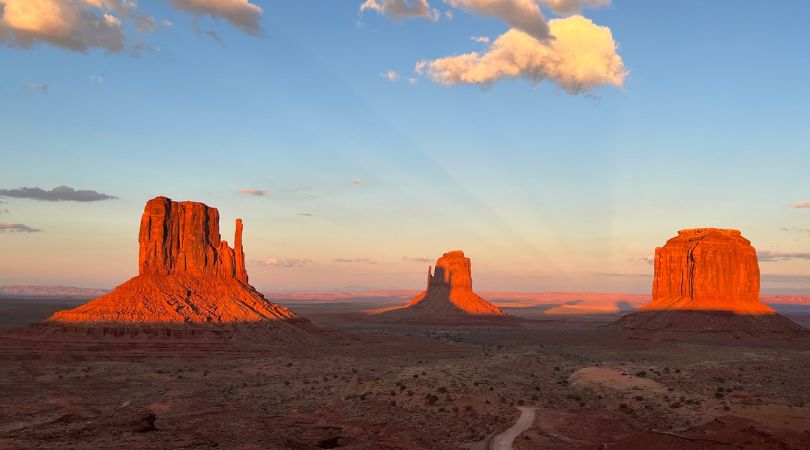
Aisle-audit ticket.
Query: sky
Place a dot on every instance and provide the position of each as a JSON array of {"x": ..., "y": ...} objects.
[{"x": 557, "y": 142}]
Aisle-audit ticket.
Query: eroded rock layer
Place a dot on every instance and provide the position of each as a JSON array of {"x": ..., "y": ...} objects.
[{"x": 187, "y": 275}]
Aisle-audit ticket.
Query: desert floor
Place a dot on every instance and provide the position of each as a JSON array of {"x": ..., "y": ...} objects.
[{"x": 358, "y": 384}]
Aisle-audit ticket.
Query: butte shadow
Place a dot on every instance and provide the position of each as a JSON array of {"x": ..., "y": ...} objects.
[
  {"x": 189, "y": 280},
  {"x": 707, "y": 282},
  {"x": 448, "y": 298}
]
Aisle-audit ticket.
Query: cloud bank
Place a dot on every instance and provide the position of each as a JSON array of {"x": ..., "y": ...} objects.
[
  {"x": 781, "y": 256},
  {"x": 70, "y": 24},
  {"x": 17, "y": 228},
  {"x": 81, "y": 25},
  {"x": 581, "y": 56},
  {"x": 57, "y": 194},
  {"x": 240, "y": 13}
]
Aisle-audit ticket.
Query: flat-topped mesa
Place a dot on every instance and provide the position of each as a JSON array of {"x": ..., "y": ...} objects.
[
  {"x": 449, "y": 289},
  {"x": 183, "y": 238},
  {"x": 707, "y": 269}
]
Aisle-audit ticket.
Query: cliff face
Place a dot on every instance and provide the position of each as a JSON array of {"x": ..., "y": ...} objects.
[
  {"x": 183, "y": 238},
  {"x": 449, "y": 290},
  {"x": 187, "y": 275},
  {"x": 707, "y": 269}
]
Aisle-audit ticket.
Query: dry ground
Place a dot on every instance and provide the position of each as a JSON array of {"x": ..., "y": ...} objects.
[{"x": 379, "y": 386}]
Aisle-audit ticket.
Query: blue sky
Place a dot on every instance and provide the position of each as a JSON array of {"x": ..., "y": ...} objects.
[{"x": 543, "y": 189}]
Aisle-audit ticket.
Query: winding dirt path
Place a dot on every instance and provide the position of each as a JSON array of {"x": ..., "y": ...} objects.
[{"x": 504, "y": 440}]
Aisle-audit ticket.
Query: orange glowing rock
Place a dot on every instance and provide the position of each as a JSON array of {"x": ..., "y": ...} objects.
[
  {"x": 187, "y": 275},
  {"x": 449, "y": 291},
  {"x": 707, "y": 269},
  {"x": 707, "y": 284}
]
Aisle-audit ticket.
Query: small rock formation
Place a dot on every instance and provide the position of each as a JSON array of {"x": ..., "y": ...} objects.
[
  {"x": 449, "y": 292},
  {"x": 187, "y": 275},
  {"x": 707, "y": 279}
]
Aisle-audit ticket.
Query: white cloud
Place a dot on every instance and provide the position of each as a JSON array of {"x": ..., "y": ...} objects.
[
  {"x": 480, "y": 39},
  {"x": 253, "y": 192},
  {"x": 581, "y": 56},
  {"x": 390, "y": 75},
  {"x": 401, "y": 9},
  {"x": 521, "y": 14},
  {"x": 284, "y": 263},
  {"x": 357, "y": 181},
  {"x": 239, "y": 13}
]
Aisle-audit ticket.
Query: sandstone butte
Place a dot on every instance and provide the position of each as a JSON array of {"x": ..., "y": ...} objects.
[
  {"x": 187, "y": 276},
  {"x": 449, "y": 291},
  {"x": 707, "y": 269},
  {"x": 707, "y": 281}
]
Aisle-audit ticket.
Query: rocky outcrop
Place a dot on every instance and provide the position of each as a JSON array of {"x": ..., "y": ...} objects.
[
  {"x": 449, "y": 291},
  {"x": 707, "y": 281},
  {"x": 187, "y": 276},
  {"x": 183, "y": 238},
  {"x": 707, "y": 269}
]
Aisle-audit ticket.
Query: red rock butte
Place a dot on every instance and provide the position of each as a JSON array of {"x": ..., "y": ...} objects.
[
  {"x": 707, "y": 269},
  {"x": 187, "y": 276},
  {"x": 449, "y": 291},
  {"x": 707, "y": 281}
]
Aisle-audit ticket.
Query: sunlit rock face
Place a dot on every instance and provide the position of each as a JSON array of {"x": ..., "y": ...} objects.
[
  {"x": 183, "y": 238},
  {"x": 708, "y": 269},
  {"x": 187, "y": 275},
  {"x": 449, "y": 290},
  {"x": 707, "y": 282}
]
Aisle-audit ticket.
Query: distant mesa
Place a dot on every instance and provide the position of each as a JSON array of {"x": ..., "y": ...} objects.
[
  {"x": 49, "y": 291},
  {"x": 187, "y": 276},
  {"x": 449, "y": 293},
  {"x": 707, "y": 279}
]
